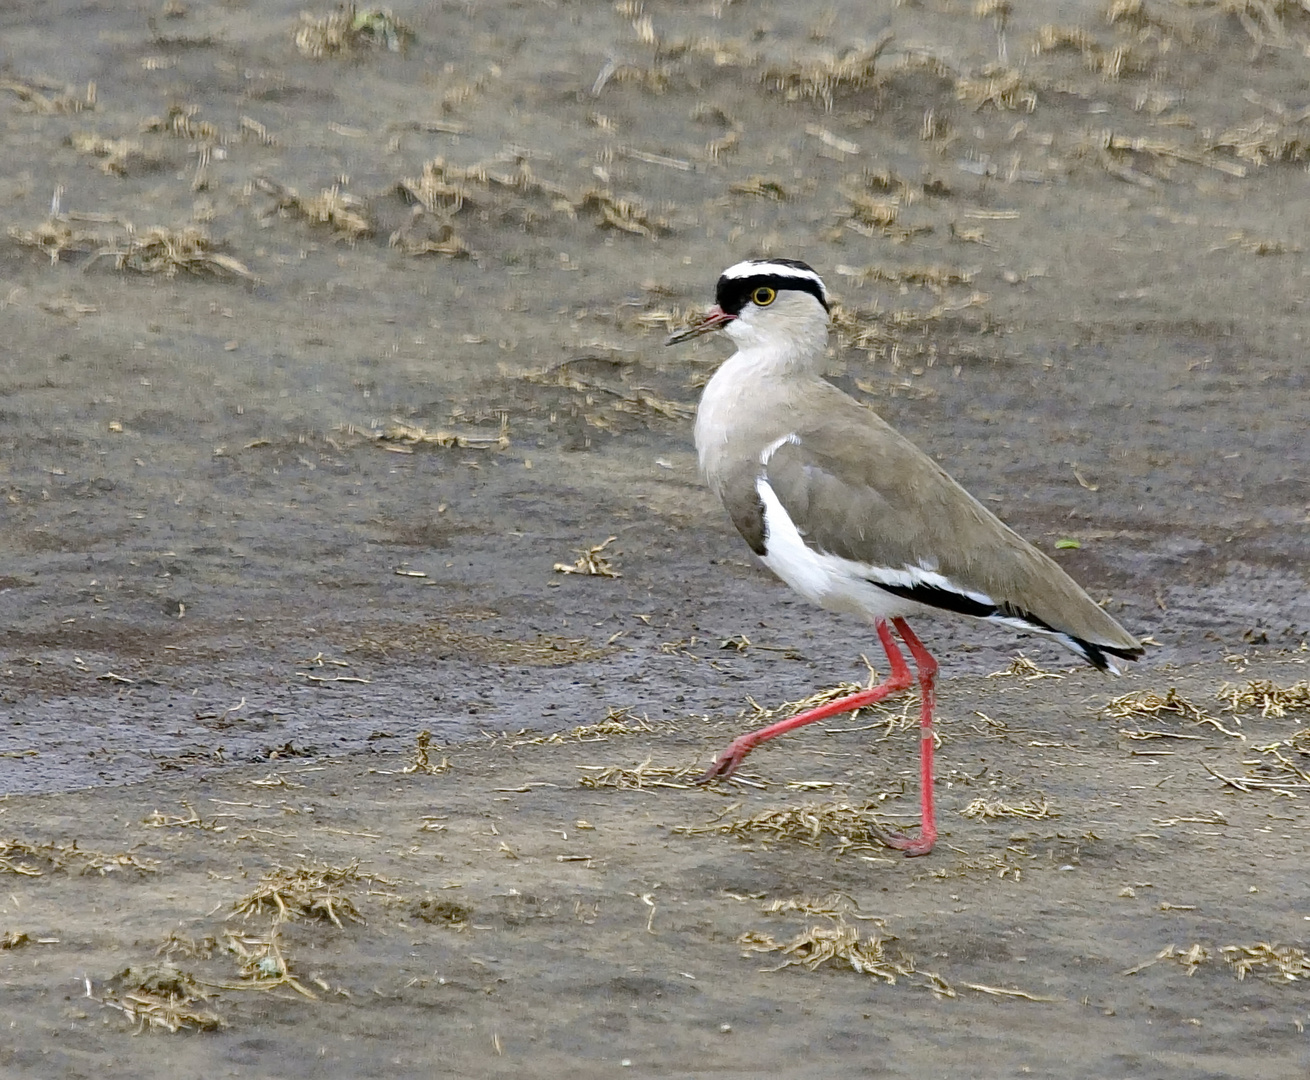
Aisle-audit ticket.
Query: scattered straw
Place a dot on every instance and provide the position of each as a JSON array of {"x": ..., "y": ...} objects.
[
  {"x": 344, "y": 214},
  {"x": 14, "y": 939},
  {"x": 591, "y": 562},
  {"x": 1285, "y": 962},
  {"x": 639, "y": 777},
  {"x": 1270, "y": 698},
  {"x": 1001, "y": 991},
  {"x": 349, "y": 30},
  {"x": 1036, "y": 808}
]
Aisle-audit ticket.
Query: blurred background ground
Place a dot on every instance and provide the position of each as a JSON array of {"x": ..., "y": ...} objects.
[{"x": 319, "y": 355}]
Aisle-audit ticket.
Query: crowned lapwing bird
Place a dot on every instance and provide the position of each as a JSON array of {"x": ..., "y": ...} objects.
[{"x": 856, "y": 518}]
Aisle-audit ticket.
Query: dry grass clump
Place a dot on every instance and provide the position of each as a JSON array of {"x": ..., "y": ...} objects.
[
  {"x": 1279, "y": 963},
  {"x": 1263, "y": 20},
  {"x": 824, "y": 78},
  {"x": 1118, "y": 60},
  {"x": 626, "y": 215},
  {"x": 852, "y": 826},
  {"x": 115, "y": 155},
  {"x": 14, "y": 939},
  {"x": 839, "y": 946},
  {"x": 157, "y": 250},
  {"x": 426, "y": 234},
  {"x": 1285, "y": 962},
  {"x": 758, "y": 712},
  {"x": 1267, "y": 696},
  {"x": 263, "y": 965},
  {"x": 763, "y": 186},
  {"x": 1189, "y": 959},
  {"x": 1149, "y": 704},
  {"x": 832, "y": 906},
  {"x": 162, "y": 250},
  {"x": 1037, "y": 808},
  {"x": 444, "y": 190},
  {"x": 1022, "y": 668},
  {"x": 936, "y": 278},
  {"x": 66, "y": 101},
  {"x": 312, "y": 891},
  {"x": 423, "y": 762},
  {"x": 616, "y": 722},
  {"x": 349, "y": 30},
  {"x": 36, "y": 860},
  {"x": 190, "y": 820},
  {"x": 1003, "y": 88},
  {"x": 634, "y": 400},
  {"x": 345, "y": 214},
  {"x": 181, "y": 123},
  {"x": 591, "y": 562},
  {"x": 417, "y": 435},
  {"x": 1267, "y": 141},
  {"x": 159, "y": 995},
  {"x": 859, "y": 329},
  {"x": 842, "y": 947},
  {"x": 639, "y": 777}
]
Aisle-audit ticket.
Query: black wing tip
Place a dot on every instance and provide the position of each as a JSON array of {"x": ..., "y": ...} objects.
[{"x": 1099, "y": 655}]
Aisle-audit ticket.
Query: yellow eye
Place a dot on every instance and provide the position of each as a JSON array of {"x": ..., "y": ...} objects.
[{"x": 764, "y": 296}]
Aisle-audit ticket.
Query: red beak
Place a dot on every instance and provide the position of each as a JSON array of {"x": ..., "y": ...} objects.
[{"x": 715, "y": 319}]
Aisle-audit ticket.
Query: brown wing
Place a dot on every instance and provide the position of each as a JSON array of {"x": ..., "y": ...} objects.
[{"x": 856, "y": 488}]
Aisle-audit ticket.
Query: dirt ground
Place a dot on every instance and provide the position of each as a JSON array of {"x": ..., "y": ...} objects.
[{"x": 318, "y": 356}]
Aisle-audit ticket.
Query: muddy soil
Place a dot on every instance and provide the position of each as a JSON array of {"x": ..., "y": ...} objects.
[{"x": 264, "y": 522}]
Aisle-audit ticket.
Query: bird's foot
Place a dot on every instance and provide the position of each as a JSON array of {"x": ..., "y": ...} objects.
[
  {"x": 911, "y": 845},
  {"x": 727, "y": 762}
]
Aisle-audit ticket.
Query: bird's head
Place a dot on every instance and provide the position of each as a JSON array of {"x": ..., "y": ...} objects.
[{"x": 771, "y": 304}]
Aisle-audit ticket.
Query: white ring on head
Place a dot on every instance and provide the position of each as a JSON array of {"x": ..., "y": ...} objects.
[{"x": 750, "y": 268}]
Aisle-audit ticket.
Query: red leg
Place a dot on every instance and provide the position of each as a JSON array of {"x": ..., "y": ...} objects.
[
  {"x": 900, "y": 679},
  {"x": 927, "y": 666}
]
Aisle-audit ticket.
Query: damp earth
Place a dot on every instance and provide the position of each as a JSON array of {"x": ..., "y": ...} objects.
[{"x": 363, "y": 620}]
